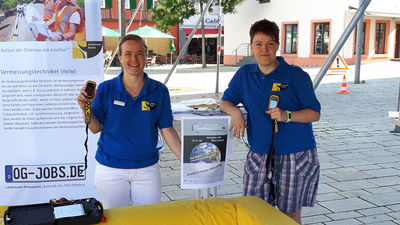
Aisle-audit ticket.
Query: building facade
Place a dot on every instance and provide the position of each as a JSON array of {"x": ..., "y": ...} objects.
[
  {"x": 310, "y": 29},
  {"x": 211, "y": 23}
]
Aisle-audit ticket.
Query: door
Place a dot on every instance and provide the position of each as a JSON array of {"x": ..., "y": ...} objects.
[{"x": 397, "y": 44}]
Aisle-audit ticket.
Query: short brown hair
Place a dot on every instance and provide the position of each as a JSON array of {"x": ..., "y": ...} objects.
[
  {"x": 132, "y": 37},
  {"x": 266, "y": 27}
]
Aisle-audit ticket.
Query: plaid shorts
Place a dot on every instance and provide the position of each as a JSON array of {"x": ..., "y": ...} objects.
[{"x": 295, "y": 179}]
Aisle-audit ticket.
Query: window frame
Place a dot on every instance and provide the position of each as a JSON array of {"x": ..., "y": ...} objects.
[
  {"x": 385, "y": 37},
  {"x": 293, "y": 41},
  {"x": 366, "y": 37},
  {"x": 314, "y": 38}
]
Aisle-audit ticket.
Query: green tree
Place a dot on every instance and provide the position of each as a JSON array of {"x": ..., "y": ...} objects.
[{"x": 169, "y": 13}]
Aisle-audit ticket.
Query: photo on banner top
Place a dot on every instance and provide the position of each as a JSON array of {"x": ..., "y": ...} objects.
[{"x": 43, "y": 20}]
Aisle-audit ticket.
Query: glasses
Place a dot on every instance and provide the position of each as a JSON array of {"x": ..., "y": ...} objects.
[{"x": 268, "y": 45}]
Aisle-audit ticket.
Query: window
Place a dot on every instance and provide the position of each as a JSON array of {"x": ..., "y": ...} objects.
[
  {"x": 362, "y": 41},
  {"x": 290, "y": 39},
  {"x": 127, "y": 4},
  {"x": 380, "y": 38},
  {"x": 321, "y": 38}
]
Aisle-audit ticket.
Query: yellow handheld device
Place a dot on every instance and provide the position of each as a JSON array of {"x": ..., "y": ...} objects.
[{"x": 273, "y": 103}]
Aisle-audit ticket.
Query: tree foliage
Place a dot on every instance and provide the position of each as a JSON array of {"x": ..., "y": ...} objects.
[{"x": 172, "y": 12}]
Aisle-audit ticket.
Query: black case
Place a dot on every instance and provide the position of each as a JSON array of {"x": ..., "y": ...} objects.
[{"x": 43, "y": 214}]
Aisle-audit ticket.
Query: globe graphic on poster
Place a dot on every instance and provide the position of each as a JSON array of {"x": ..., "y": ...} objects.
[{"x": 205, "y": 152}]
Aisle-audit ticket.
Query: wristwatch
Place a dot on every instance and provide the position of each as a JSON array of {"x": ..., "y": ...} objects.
[{"x": 289, "y": 116}]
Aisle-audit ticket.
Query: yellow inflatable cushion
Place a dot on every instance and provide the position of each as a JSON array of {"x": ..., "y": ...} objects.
[{"x": 247, "y": 210}]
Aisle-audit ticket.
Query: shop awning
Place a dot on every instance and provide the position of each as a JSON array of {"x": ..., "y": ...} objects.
[{"x": 209, "y": 32}]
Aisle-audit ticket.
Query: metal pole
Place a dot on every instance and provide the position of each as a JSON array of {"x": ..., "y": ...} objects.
[
  {"x": 358, "y": 48},
  {"x": 187, "y": 42},
  {"x": 117, "y": 48},
  {"x": 340, "y": 43},
  {"x": 122, "y": 17},
  {"x": 397, "y": 128},
  {"x": 218, "y": 48}
]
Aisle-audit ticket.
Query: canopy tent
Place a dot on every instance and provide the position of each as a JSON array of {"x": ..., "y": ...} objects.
[
  {"x": 107, "y": 32},
  {"x": 157, "y": 42},
  {"x": 150, "y": 32}
]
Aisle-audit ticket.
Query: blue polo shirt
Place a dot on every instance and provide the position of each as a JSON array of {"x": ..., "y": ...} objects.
[
  {"x": 129, "y": 137},
  {"x": 293, "y": 86}
]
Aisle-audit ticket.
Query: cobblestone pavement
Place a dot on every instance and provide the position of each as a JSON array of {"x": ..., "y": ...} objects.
[{"x": 360, "y": 158}]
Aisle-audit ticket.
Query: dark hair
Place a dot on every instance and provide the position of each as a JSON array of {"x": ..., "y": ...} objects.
[
  {"x": 266, "y": 27},
  {"x": 132, "y": 37}
]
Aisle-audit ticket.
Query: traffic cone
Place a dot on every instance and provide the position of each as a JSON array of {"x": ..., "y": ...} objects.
[{"x": 343, "y": 88}]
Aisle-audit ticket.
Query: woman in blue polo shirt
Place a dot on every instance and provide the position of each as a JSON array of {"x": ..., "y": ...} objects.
[
  {"x": 128, "y": 111},
  {"x": 295, "y": 170}
]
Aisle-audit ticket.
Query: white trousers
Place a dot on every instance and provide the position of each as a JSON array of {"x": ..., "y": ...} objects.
[{"x": 126, "y": 187}]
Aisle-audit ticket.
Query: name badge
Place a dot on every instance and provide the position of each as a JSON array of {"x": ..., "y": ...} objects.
[{"x": 116, "y": 102}]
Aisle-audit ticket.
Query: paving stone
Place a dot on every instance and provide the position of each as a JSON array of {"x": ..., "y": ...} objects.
[
  {"x": 329, "y": 196},
  {"x": 325, "y": 188},
  {"x": 230, "y": 195},
  {"x": 386, "y": 181},
  {"x": 344, "y": 215},
  {"x": 349, "y": 176},
  {"x": 394, "y": 207},
  {"x": 328, "y": 165},
  {"x": 381, "y": 190},
  {"x": 384, "y": 223},
  {"x": 166, "y": 188},
  {"x": 349, "y": 162},
  {"x": 237, "y": 165},
  {"x": 379, "y": 153},
  {"x": 367, "y": 167},
  {"x": 353, "y": 185},
  {"x": 383, "y": 199},
  {"x": 181, "y": 194},
  {"x": 390, "y": 143},
  {"x": 375, "y": 219},
  {"x": 324, "y": 179},
  {"x": 164, "y": 197},
  {"x": 346, "y": 204},
  {"x": 384, "y": 159},
  {"x": 315, "y": 219},
  {"x": 395, "y": 215},
  {"x": 354, "y": 193},
  {"x": 389, "y": 164},
  {"x": 351, "y": 156},
  {"x": 230, "y": 189},
  {"x": 314, "y": 211},
  {"x": 344, "y": 222},
  {"x": 374, "y": 211},
  {"x": 383, "y": 172}
]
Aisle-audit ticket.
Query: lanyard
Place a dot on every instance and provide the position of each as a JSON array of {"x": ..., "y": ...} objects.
[{"x": 271, "y": 163}]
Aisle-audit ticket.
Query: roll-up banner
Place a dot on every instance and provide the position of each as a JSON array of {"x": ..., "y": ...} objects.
[
  {"x": 48, "y": 50},
  {"x": 207, "y": 144}
]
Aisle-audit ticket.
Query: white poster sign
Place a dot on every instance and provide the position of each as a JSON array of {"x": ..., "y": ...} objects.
[
  {"x": 42, "y": 132},
  {"x": 205, "y": 144}
]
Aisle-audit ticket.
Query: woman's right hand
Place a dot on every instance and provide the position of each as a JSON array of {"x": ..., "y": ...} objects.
[{"x": 82, "y": 99}]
